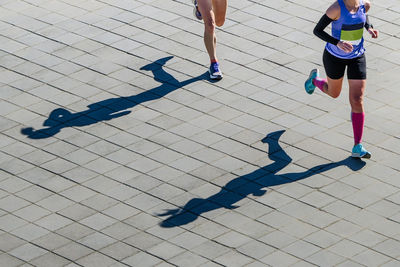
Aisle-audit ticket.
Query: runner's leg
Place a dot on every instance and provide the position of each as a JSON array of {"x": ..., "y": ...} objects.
[
  {"x": 332, "y": 85},
  {"x": 210, "y": 40},
  {"x": 356, "y": 92},
  {"x": 207, "y": 9}
]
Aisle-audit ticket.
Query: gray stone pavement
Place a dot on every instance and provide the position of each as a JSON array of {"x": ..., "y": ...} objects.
[{"x": 116, "y": 150}]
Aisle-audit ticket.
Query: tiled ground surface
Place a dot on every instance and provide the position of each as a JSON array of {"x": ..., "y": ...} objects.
[{"x": 117, "y": 151}]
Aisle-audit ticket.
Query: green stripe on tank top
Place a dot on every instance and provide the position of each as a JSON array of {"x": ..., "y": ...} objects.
[{"x": 351, "y": 35}]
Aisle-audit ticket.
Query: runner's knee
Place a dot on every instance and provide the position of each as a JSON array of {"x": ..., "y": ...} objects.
[
  {"x": 220, "y": 22},
  {"x": 334, "y": 92},
  {"x": 209, "y": 25},
  {"x": 356, "y": 101}
]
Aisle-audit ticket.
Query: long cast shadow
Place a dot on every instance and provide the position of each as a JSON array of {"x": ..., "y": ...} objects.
[
  {"x": 253, "y": 183},
  {"x": 111, "y": 108}
]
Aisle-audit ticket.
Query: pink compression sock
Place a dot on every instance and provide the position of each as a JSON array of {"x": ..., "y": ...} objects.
[
  {"x": 319, "y": 82},
  {"x": 357, "y": 120}
]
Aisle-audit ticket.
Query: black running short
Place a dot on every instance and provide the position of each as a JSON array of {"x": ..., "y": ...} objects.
[{"x": 335, "y": 67}]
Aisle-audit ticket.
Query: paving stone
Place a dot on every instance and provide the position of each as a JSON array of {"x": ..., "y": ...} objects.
[
  {"x": 58, "y": 166},
  {"x": 75, "y": 231},
  {"x": 299, "y": 229},
  {"x": 233, "y": 239},
  {"x": 324, "y": 257},
  {"x": 341, "y": 209},
  {"x": 97, "y": 241},
  {"x": 29, "y": 232},
  {"x": 10, "y": 222},
  {"x": 119, "y": 250},
  {"x": 322, "y": 238},
  {"x": 253, "y": 229},
  {"x": 142, "y": 258},
  {"x": 27, "y": 252},
  {"x": 143, "y": 240},
  {"x": 371, "y": 257},
  {"x": 73, "y": 251},
  {"x": 188, "y": 258},
  {"x": 343, "y": 228},
  {"x": 346, "y": 248},
  {"x": 301, "y": 249},
  {"x": 56, "y": 184},
  {"x": 388, "y": 247},
  {"x": 98, "y": 221},
  {"x": 51, "y": 241},
  {"x": 55, "y": 203},
  {"x": 11, "y": 203},
  {"x": 210, "y": 249},
  {"x": 233, "y": 259},
  {"x": 9, "y": 242},
  {"x": 9, "y": 260},
  {"x": 77, "y": 212},
  {"x": 349, "y": 263},
  {"x": 144, "y": 201},
  {"x": 277, "y": 239},
  {"x": 256, "y": 249},
  {"x": 78, "y": 193},
  {"x": 53, "y": 222},
  {"x": 384, "y": 208},
  {"x": 166, "y": 250},
  {"x": 279, "y": 258},
  {"x": 50, "y": 259},
  {"x": 391, "y": 263}
]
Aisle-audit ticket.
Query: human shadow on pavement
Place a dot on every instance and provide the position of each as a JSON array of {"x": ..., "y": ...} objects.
[
  {"x": 254, "y": 183},
  {"x": 111, "y": 108}
]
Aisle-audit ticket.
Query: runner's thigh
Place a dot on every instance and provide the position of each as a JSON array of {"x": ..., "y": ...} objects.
[
  {"x": 206, "y": 10},
  {"x": 219, "y": 7}
]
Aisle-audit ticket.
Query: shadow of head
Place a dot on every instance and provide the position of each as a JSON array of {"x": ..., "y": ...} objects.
[
  {"x": 156, "y": 64},
  {"x": 29, "y": 131},
  {"x": 272, "y": 137},
  {"x": 56, "y": 116}
]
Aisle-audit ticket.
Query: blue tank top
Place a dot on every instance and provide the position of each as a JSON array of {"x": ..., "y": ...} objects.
[{"x": 349, "y": 27}]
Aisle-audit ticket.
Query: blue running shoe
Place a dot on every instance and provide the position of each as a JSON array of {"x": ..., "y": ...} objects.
[
  {"x": 196, "y": 11},
  {"x": 215, "y": 72},
  {"x": 360, "y": 152},
  {"x": 310, "y": 87}
]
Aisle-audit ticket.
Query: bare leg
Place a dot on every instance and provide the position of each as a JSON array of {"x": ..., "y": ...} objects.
[
  {"x": 210, "y": 40},
  {"x": 356, "y": 94},
  {"x": 213, "y": 13},
  {"x": 333, "y": 87}
]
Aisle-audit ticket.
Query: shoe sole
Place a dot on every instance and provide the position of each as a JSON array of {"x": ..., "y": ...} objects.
[
  {"x": 216, "y": 77},
  {"x": 366, "y": 156}
]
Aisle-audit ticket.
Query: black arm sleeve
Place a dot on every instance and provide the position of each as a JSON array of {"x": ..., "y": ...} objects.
[
  {"x": 367, "y": 24},
  {"x": 320, "y": 27}
]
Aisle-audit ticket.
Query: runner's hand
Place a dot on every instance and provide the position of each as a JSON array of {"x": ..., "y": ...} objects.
[
  {"x": 374, "y": 33},
  {"x": 345, "y": 46}
]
